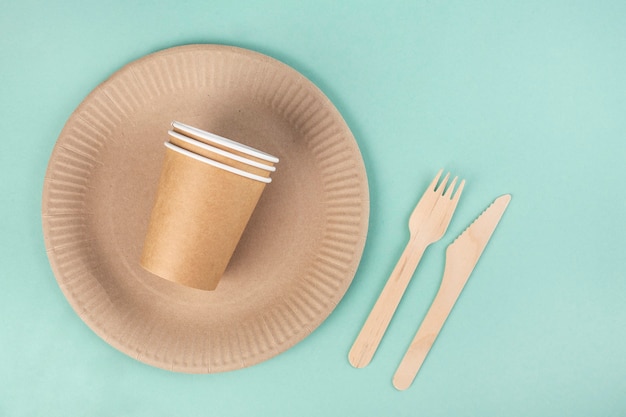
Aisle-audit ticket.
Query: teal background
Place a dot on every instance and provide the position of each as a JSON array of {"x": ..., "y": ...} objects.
[{"x": 527, "y": 98}]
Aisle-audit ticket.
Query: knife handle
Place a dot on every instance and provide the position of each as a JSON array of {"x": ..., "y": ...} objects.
[
  {"x": 425, "y": 337},
  {"x": 378, "y": 320}
]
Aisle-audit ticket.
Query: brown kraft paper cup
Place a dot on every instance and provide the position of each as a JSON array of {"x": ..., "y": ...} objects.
[
  {"x": 198, "y": 149},
  {"x": 198, "y": 217}
]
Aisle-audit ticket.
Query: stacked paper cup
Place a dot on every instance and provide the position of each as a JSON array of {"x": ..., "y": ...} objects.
[{"x": 208, "y": 189}]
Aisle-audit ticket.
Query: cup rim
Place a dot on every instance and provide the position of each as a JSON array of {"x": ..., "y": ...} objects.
[
  {"x": 216, "y": 164},
  {"x": 222, "y": 152},
  {"x": 225, "y": 142}
]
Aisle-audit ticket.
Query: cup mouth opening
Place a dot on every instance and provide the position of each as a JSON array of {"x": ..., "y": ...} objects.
[
  {"x": 221, "y": 152},
  {"x": 212, "y": 137},
  {"x": 216, "y": 164}
]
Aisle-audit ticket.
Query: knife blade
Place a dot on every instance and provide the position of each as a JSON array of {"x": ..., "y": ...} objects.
[{"x": 461, "y": 258}]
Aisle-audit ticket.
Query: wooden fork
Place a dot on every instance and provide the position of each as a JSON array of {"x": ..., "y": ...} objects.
[{"x": 427, "y": 224}]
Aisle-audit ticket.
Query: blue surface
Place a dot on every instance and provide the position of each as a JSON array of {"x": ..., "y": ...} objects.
[{"x": 527, "y": 98}]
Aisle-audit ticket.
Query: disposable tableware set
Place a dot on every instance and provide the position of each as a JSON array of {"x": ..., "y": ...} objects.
[
  {"x": 427, "y": 224},
  {"x": 120, "y": 212}
]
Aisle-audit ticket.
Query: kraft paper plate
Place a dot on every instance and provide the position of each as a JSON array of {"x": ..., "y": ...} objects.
[{"x": 301, "y": 248}]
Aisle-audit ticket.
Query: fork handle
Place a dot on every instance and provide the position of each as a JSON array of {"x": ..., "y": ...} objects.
[
  {"x": 425, "y": 336},
  {"x": 378, "y": 320}
]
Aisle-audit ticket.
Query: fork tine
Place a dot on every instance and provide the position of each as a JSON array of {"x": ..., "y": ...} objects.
[
  {"x": 459, "y": 190},
  {"x": 442, "y": 186},
  {"x": 448, "y": 192},
  {"x": 433, "y": 185}
]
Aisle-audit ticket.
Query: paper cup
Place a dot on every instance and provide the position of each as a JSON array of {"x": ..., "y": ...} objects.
[
  {"x": 199, "y": 215},
  {"x": 220, "y": 155},
  {"x": 224, "y": 143}
]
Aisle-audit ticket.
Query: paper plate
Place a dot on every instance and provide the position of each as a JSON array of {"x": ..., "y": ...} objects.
[{"x": 298, "y": 254}]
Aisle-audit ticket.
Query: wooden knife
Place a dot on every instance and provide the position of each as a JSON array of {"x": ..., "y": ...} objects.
[{"x": 461, "y": 257}]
